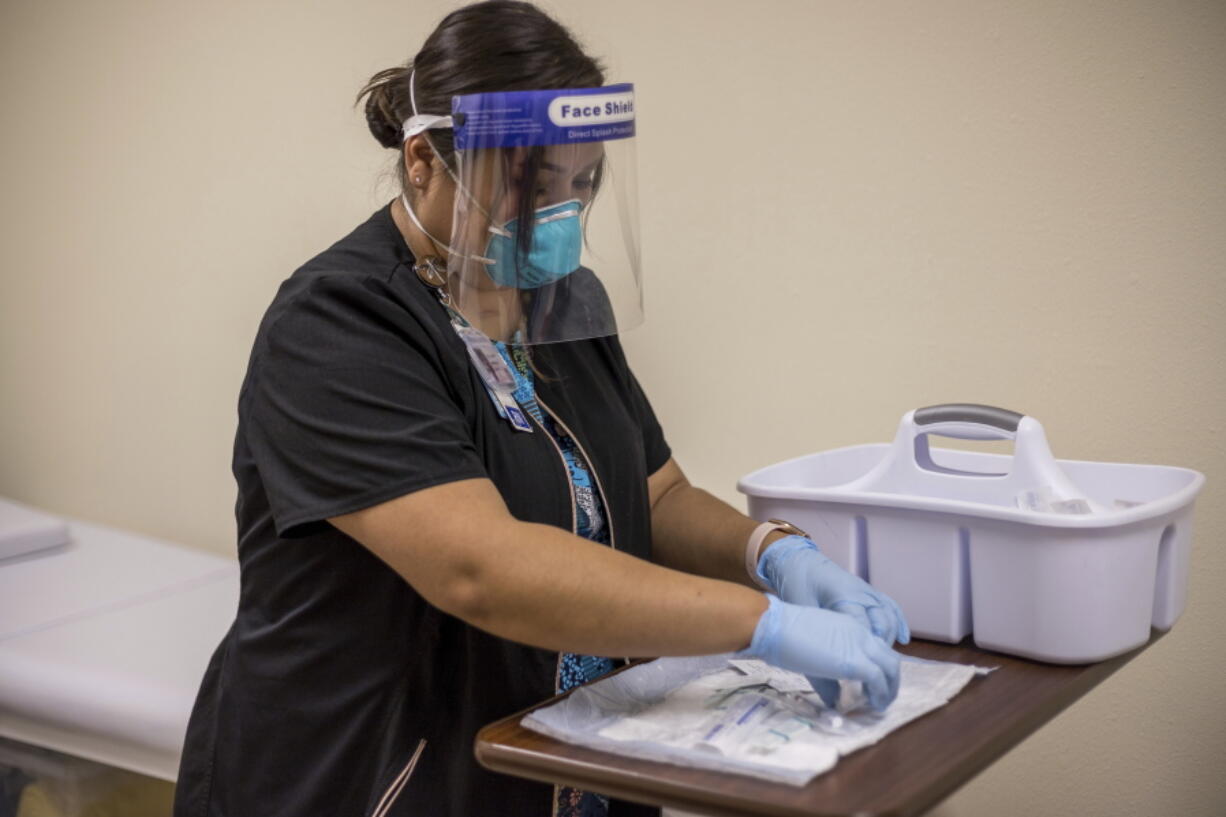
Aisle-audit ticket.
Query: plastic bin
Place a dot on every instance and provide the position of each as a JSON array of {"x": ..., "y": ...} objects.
[{"x": 949, "y": 543}]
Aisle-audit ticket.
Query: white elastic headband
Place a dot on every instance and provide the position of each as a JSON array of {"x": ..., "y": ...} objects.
[{"x": 417, "y": 123}]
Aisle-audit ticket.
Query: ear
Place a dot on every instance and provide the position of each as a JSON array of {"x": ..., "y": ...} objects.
[{"x": 418, "y": 159}]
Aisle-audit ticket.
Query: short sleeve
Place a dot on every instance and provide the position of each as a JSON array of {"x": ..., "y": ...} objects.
[
  {"x": 346, "y": 406},
  {"x": 655, "y": 447}
]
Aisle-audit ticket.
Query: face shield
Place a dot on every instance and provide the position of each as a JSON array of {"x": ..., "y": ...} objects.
[{"x": 544, "y": 245}]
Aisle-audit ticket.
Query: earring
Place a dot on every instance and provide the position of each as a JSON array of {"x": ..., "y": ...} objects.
[{"x": 417, "y": 179}]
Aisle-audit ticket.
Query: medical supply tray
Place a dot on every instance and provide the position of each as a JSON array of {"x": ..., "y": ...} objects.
[{"x": 950, "y": 544}]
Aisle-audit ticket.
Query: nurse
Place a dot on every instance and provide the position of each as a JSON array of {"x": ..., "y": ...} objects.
[{"x": 454, "y": 499}]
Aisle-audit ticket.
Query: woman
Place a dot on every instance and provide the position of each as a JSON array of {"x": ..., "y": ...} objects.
[{"x": 454, "y": 499}]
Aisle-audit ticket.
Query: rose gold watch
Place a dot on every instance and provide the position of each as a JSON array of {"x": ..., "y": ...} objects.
[{"x": 755, "y": 542}]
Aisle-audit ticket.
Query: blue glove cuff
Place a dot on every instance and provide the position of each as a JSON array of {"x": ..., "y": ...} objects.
[
  {"x": 771, "y": 565},
  {"x": 766, "y": 634}
]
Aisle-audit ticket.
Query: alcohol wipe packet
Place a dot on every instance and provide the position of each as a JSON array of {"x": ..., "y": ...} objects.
[{"x": 745, "y": 717}]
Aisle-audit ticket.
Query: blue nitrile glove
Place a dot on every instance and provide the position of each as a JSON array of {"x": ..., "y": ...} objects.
[
  {"x": 825, "y": 646},
  {"x": 799, "y": 573}
]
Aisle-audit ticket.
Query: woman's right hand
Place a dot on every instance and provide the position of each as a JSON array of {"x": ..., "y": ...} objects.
[{"x": 825, "y": 646}]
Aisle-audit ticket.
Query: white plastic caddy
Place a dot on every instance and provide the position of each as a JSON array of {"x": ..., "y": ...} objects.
[{"x": 949, "y": 544}]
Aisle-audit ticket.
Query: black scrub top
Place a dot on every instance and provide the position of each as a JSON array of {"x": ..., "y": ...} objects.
[{"x": 338, "y": 689}]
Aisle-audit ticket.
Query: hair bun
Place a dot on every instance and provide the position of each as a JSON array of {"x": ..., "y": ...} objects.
[
  {"x": 380, "y": 128},
  {"x": 382, "y": 94}
]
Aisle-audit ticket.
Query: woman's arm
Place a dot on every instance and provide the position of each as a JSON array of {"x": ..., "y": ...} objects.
[
  {"x": 459, "y": 546},
  {"x": 695, "y": 532}
]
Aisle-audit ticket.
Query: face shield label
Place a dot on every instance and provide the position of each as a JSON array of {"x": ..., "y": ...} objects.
[
  {"x": 554, "y": 117},
  {"x": 602, "y": 109}
]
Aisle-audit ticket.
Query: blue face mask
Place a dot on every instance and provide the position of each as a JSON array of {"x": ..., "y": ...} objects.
[{"x": 557, "y": 240}]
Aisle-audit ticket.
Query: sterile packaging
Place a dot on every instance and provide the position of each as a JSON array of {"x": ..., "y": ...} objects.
[
  {"x": 1059, "y": 560},
  {"x": 743, "y": 717}
]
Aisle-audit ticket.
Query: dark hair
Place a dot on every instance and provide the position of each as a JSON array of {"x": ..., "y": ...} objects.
[{"x": 497, "y": 45}]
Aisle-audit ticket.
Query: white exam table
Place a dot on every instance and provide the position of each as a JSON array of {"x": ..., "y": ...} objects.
[{"x": 104, "y": 641}]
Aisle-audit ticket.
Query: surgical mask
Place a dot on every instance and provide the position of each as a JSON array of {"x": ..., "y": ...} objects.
[
  {"x": 552, "y": 254},
  {"x": 557, "y": 241}
]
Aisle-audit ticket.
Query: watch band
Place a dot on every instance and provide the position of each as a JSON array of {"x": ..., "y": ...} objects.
[{"x": 755, "y": 542}]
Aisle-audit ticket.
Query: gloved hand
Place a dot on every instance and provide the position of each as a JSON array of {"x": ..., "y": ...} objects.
[
  {"x": 799, "y": 573},
  {"x": 825, "y": 646}
]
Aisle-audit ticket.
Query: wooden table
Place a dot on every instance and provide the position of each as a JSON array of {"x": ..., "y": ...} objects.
[{"x": 907, "y": 773}]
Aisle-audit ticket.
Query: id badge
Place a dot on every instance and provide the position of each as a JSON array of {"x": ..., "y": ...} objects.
[
  {"x": 490, "y": 365},
  {"x": 496, "y": 374}
]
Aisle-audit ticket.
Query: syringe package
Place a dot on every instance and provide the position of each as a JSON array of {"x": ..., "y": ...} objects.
[{"x": 742, "y": 717}]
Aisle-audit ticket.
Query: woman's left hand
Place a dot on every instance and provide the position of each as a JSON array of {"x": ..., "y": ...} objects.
[{"x": 800, "y": 574}]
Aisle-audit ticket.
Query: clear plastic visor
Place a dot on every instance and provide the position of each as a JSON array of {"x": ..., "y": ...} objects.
[{"x": 545, "y": 237}]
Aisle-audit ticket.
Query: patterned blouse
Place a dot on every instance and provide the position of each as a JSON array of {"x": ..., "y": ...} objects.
[{"x": 573, "y": 669}]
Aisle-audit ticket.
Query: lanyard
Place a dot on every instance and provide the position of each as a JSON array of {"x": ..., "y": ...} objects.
[{"x": 497, "y": 376}]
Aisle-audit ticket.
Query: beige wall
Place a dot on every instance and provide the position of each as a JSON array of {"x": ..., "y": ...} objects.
[{"x": 849, "y": 210}]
